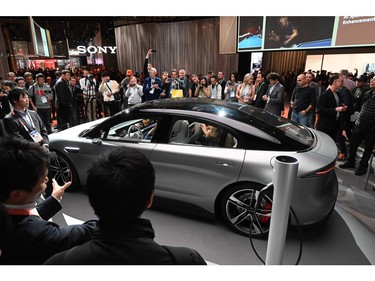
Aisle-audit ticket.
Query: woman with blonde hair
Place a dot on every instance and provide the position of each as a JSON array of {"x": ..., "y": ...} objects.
[{"x": 246, "y": 91}]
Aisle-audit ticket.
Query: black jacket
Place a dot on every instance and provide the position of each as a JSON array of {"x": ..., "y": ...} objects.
[
  {"x": 63, "y": 93},
  {"x": 327, "y": 114},
  {"x": 259, "y": 92},
  {"x": 14, "y": 128},
  {"x": 33, "y": 240},
  {"x": 126, "y": 244},
  {"x": 366, "y": 117}
]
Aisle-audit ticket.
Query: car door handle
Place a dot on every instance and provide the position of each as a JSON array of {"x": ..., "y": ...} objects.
[{"x": 224, "y": 164}]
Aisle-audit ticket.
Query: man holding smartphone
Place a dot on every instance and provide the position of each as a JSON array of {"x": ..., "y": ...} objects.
[
  {"x": 134, "y": 92},
  {"x": 147, "y": 65},
  {"x": 152, "y": 86}
]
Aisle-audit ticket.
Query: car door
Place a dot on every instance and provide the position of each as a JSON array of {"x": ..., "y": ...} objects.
[
  {"x": 134, "y": 133},
  {"x": 193, "y": 170}
]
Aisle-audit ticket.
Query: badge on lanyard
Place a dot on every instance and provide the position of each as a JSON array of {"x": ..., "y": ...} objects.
[
  {"x": 35, "y": 135},
  {"x": 43, "y": 99}
]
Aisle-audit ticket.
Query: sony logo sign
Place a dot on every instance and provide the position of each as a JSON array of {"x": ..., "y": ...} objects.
[{"x": 96, "y": 49}]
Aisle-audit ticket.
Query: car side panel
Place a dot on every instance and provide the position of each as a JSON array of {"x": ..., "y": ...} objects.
[
  {"x": 195, "y": 174},
  {"x": 89, "y": 151}
]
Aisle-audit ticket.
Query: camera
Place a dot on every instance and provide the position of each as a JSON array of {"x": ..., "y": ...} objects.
[{"x": 90, "y": 77}]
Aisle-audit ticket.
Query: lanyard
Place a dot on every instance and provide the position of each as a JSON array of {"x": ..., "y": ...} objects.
[
  {"x": 41, "y": 93},
  {"x": 20, "y": 212},
  {"x": 108, "y": 87},
  {"x": 22, "y": 121}
]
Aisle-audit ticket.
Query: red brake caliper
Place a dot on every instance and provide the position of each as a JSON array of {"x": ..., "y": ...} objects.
[{"x": 265, "y": 219}]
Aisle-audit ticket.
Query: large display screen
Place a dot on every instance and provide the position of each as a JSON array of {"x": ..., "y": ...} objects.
[
  {"x": 41, "y": 39},
  {"x": 60, "y": 49},
  {"x": 289, "y": 32}
]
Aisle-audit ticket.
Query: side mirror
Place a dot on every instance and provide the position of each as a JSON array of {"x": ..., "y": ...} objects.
[{"x": 97, "y": 141}]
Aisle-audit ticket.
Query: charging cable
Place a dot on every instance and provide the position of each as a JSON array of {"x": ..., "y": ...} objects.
[{"x": 262, "y": 192}]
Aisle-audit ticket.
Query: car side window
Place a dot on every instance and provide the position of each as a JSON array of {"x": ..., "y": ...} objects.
[
  {"x": 212, "y": 135},
  {"x": 141, "y": 129},
  {"x": 180, "y": 132},
  {"x": 230, "y": 141},
  {"x": 197, "y": 133}
]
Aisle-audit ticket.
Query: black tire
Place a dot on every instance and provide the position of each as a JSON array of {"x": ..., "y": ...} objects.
[
  {"x": 62, "y": 170},
  {"x": 237, "y": 207}
]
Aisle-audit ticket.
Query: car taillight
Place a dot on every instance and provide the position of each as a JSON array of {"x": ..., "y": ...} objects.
[{"x": 323, "y": 171}]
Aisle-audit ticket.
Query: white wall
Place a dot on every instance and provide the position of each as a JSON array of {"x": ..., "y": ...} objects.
[{"x": 334, "y": 63}]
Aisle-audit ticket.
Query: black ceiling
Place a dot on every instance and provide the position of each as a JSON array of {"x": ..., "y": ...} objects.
[{"x": 78, "y": 30}]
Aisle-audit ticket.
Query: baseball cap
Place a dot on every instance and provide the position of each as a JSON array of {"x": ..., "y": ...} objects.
[
  {"x": 362, "y": 78},
  {"x": 129, "y": 72}
]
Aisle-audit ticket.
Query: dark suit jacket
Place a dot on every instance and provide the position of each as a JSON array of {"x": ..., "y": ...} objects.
[
  {"x": 260, "y": 91},
  {"x": 48, "y": 208},
  {"x": 13, "y": 126},
  {"x": 326, "y": 110},
  {"x": 34, "y": 240},
  {"x": 63, "y": 93},
  {"x": 147, "y": 88},
  {"x": 276, "y": 102},
  {"x": 128, "y": 243}
]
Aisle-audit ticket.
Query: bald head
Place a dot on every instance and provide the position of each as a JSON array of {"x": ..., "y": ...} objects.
[{"x": 302, "y": 81}]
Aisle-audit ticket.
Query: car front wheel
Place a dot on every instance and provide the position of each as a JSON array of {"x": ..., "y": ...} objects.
[
  {"x": 238, "y": 207},
  {"x": 63, "y": 171}
]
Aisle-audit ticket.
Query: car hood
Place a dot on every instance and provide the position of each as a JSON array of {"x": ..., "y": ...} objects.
[{"x": 74, "y": 131}]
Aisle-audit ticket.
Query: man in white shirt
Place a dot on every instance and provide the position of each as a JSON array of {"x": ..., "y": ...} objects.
[
  {"x": 88, "y": 84},
  {"x": 214, "y": 88}
]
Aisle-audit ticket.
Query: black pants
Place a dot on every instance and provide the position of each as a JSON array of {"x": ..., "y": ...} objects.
[
  {"x": 358, "y": 136},
  {"x": 45, "y": 115},
  {"x": 65, "y": 119},
  {"x": 111, "y": 108}
]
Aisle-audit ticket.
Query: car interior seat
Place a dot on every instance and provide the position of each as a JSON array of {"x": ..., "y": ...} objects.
[
  {"x": 180, "y": 132},
  {"x": 197, "y": 133}
]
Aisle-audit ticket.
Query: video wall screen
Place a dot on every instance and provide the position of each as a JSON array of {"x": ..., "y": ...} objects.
[
  {"x": 287, "y": 32},
  {"x": 60, "y": 49},
  {"x": 41, "y": 39}
]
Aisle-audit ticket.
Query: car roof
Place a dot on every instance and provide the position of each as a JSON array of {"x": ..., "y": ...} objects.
[
  {"x": 185, "y": 103},
  {"x": 233, "y": 110}
]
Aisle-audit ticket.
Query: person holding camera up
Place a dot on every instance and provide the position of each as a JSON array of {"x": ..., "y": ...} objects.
[
  {"x": 165, "y": 85},
  {"x": 88, "y": 84},
  {"x": 147, "y": 66},
  {"x": 152, "y": 86},
  {"x": 110, "y": 90},
  {"x": 202, "y": 90},
  {"x": 231, "y": 87},
  {"x": 134, "y": 92},
  {"x": 41, "y": 96}
]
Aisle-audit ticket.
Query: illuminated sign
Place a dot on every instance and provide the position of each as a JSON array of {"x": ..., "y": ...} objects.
[{"x": 96, "y": 49}]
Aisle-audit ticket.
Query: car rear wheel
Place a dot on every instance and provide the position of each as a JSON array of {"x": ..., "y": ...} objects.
[
  {"x": 63, "y": 171},
  {"x": 238, "y": 206}
]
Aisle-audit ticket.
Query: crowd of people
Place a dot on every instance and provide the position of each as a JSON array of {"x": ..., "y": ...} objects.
[{"x": 120, "y": 184}]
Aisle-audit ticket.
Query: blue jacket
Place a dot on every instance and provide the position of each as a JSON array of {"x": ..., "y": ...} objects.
[{"x": 147, "y": 88}]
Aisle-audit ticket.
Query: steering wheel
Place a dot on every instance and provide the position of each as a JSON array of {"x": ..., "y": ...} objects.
[{"x": 134, "y": 132}]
